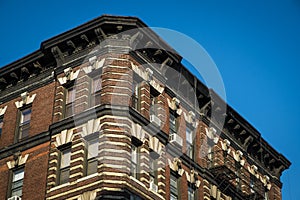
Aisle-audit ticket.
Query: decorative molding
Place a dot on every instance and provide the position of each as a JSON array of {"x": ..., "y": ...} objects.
[
  {"x": 215, "y": 192},
  {"x": 174, "y": 104},
  {"x": 137, "y": 131},
  {"x": 2, "y": 110},
  {"x": 212, "y": 134},
  {"x": 253, "y": 170},
  {"x": 176, "y": 166},
  {"x": 266, "y": 181},
  {"x": 94, "y": 64},
  {"x": 90, "y": 195},
  {"x": 18, "y": 160},
  {"x": 191, "y": 118},
  {"x": 90, "y": 127},
  {"x": 64, "y": 137},
  {"x": 238, "y": 156},
  {"x": 193, "y": 178},
  {"x": 155, "y": 145},
  {"x": 25, "y": 99},
  {"x": 69, "y": 75},
  {"x": 226, "y": 146}
]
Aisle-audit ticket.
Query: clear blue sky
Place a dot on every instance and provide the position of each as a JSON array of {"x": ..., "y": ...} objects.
[{"x": 254, "y": 43}]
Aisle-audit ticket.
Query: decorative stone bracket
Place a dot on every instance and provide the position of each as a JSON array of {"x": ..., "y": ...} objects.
[
  {"x": 191, "y": 118},
  {"x": 253, "y": 170},
  {"x": 212, "y": 134},
  {"x": 94, "y": 64},
  {"x": 147, "y": 75},
  {"x": 215, "y": 192},
  {"x": 193, "y": 178},
  {"x": 238, "y": 156},
  {"x": 155, "y": 145},
  {"x": 88, "y": 195},
  {"x": 90, "y": 127},
  {"x": 174, "y": 104},
  {"x": 176, "y": 166},
  {"x": 25, "y": 99},
  {"x": 64, "y": 137},
  {"x": 69, "y": 75},
  {"x": 137, "y": 131},
  {"x": 266, "y": 181},
  {"x": 2, "y": 110},
  {"x": 226, "y": 146},
  {"x": 18, "y": 160}
]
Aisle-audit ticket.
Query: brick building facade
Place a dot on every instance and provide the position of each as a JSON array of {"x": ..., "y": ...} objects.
[{"x": 95, "y": 113}]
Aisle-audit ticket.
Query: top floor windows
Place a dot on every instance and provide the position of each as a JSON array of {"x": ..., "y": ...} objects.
[
  {"x": 173, "y": 187},
  {"x": 1, "y": 125},
  {"x": 135, "y": 100},
  {"x": 24, "y": 123},
  {"x": 189, "y": 142},
  {"x": 173, "y": 122},
  {"x": 96, "y": 86},
  {"x": 64, "y": 167},
  {"x": 70, "y": 98},
  {"x": 16, "y": 186}
]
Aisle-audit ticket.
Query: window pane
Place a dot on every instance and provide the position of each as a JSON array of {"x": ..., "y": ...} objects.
[
  {"x": 189, "y": 135},
  {"x": 70, "y": 95},
  {"x": 191, "y": 194},
  {"x": 26, "y": 115},
  {"x": 18, "y": 175},
  {"x": 92, "y": 166},
  {"x": 92, "y": 150},
  {"x": 96, "y": 86},
  {"x": 64, "y": 175},
  {"x": 65, "y": 158},
  {"x": 17, "y": 182},
  {"x": 1, "y": 125}
]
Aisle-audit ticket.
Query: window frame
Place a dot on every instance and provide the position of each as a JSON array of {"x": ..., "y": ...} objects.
[
  {"x": 172, "y": 188},
  {"x": 96, "y": 74},
  {"x": 11, "y": 181},
  {"x": 1, "y": 125},
  {"x": 190, "y": 145},
  {"x": 135, "y": 143},
  {"x": 174, "y": 128},
  {"x": 136, "y": 92},
  {"x": 68, "y": 105},
  {"x": 153, "y": 167},
  {"x": 87, "y": 160},
  {"x": 66, "y": 147},
  {"x": 20, "y": 125}
]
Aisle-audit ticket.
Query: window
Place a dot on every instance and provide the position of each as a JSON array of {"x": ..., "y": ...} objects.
[
  {"x": 70, "y": 97},
  {"x": 64, "y": 168},
  {"x": 24, "y": 123},
  {"x": 135, "y": 95},
  {"x": 173, "y": 188},
  {"x": 17, "y": 182},
  {"x": 134, "y": 161},
  {"x": 173, "y": 123},
  {"x": 153, "y": 169},
  {"x": 96, "y": 86},
  {"x": 1, "y": 125},
  {"x": 135, "y": 197},
  {"x": 153, "y": 101},
  {"x": 92, "y": 154},
  {"x": 252, "y": 183},
  {"x": 191, "y": 193},
  {"x": 189, "y": 142}
]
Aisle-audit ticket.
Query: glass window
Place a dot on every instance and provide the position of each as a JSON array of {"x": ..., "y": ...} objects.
[
  {"x": 96, "y": 86},
  {"x": 70, "y": 98},
  {"x": 135, "y": 95},
  {"x": 153, "y": 170},
  {"x": 92, "y": 156},
  {"x": 173, "y": 123},
  {"x": 173, "y": 188},
  {"x": 24, "y": 123},
  {"x": 134, "y": 161},
  {"x": 64, "y": 171},
  {"x": 1, "y": 126},
  {"x": 17, "y": 182},
  {"x": 189, "y": 142},
  {"x": 191, "y": 193}
]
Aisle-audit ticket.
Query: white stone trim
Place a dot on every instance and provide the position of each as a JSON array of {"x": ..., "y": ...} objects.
[
  {"x": 25, "y": 99},
  {"x": 69, "y": 75},
  {"x": 2, "y": 110},
  {"x": 21, "y": 160}
]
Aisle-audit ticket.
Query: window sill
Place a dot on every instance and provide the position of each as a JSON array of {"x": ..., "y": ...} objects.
[
  {"x": 87, "y": 177},
  {"x": 59, "y": 186}
]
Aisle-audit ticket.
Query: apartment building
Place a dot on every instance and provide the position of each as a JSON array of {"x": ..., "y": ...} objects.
[{"x": 108, "y": 111}]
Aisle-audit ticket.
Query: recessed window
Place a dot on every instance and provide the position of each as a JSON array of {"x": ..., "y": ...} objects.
[
  {"x": 173, "y": 122},
  {"x": 173, "y": 187},
  {"x": 17, "y": 182},
  {"x": 191, "y": 193},
  {"x": 189, "y": 142},
  {"x": 64, "y": 168},
  {"x": 92, "y": 155},
  {"x": 24, "y": 125},
  {"x": 70, "y": 98},
  {"x": 153, "y": 170},
  {"x": 96, "y": 86},
  {"x": 135, "y": 96},
  {"x": 1, "y": 125},
  {"x": 134, "y": 161}
]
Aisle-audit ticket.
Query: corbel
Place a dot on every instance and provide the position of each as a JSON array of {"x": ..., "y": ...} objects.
[
  {"x": 25, "y": 99},
  {"x": 18, "y": 160},
  {"x": 174, "y": 104},
  {"x": 238, "y": 157},
  {"x": 69, "y": 75},
  {"x": 226, "y": 146},
  {"x": 176, "y": 166},
  {"x": 212, "y": 134},
  {"x": 3, "y": 110},
  {"x": 191, "y": 118}
]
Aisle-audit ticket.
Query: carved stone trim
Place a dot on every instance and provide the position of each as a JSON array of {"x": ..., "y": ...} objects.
[
  {"x": 2, "y": 110},
  {"x": 137, "y": 131},
  {"x": 212, "y": 134},
  {"x": 253, "y": 170},
  {"x": 174, "y": 104},
  {"x": 226, "y": 146},
  {"x": 191, "y": 118},
  {"x": 238, "y": 156},
  {"x": 26, "y": 99},
  {"x": 193, "y": 178},
  {"x": 18, "y": 160},
  {"x": 64, "y": 137},
  {"x": 88, "y": 195},
  {"x": 69, "y": 75},
  {"x": 155, "y": 145},
  {"x": 176, "y": 165},
  {"x": 90, "y": 127},
  {"x": 94, "y": 64},
  {"x": 215, "y": 192}
]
